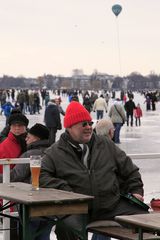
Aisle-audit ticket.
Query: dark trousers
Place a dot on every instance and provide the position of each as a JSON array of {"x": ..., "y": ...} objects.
[
  {"x": 52, "y": 134},
  {"x": 130, "y": 116},
  {"x": 117, "y": 127},
  {"x": 99, "y": 114},
  {"x": 138, "y": 121},
  {"x": 37, "y": 225},
  {"x": 66, "y": 230}
]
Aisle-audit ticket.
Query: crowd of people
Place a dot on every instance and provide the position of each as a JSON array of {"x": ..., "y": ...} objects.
[{"x": 83, "y": 160}]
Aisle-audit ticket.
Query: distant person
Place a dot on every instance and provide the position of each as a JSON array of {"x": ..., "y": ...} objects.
[
  {"x": 52, "y": 120},
  {"x": 6, "y": 109},
  {"x": 153, "y": 101},
  {"x": 129, "y": 107},
  {"x": 107, "y": 97},
  {"x": 117, "y": 115},
  {"x": 138, "y": 115},
  {"x": 87, "y": 103},
  {"x": 148, "y": 103},
  {"x": 124, "y": 99},
  {"x": 74, "y": 97},
  {"x": 58, "y": 103},
  {"x": 47, "y": 98},
  {"x": 21, "y": 99},
  {"x": 100, "y": 106}
]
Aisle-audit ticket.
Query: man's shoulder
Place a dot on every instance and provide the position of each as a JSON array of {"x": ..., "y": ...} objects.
[{"x": 55, "y": 147}]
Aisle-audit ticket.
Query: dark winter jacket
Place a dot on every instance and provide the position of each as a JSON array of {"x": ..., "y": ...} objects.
[
  {"x": 129, "y": 107},
  {"x": 52, "y": 116},
  {"x": 87, "y": 104},
  {"x": 62, "y": 169}
]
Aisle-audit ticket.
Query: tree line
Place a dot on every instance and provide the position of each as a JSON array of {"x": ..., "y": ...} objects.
[{"x": 96, "y": 81}]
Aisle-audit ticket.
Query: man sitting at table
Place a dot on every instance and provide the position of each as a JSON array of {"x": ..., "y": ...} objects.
[{"x": 85, "y": 163}]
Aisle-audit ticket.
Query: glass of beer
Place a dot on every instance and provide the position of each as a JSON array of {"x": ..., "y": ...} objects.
[{"x": 35, "y": 166}]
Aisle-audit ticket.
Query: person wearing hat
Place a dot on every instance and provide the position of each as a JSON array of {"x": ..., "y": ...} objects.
[
  {"x": 86, "y": 163},
  {"x": 5, "y": 131},
  {"x": 52, "y": 120},
  {"x": 37, "y": 140},
  {"x": 14, "y": 144}
]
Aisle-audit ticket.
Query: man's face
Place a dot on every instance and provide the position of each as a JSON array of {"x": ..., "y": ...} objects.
[
  {"x": 31, "y": 138},
  {"x": 81, "y": 132},
  {"x": 17, "y": 129}
]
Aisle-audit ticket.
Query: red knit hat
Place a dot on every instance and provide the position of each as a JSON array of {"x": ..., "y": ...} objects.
[{"x": 75, "y": 113}]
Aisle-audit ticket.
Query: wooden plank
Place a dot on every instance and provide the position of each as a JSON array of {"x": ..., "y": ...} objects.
[
  {"x": 145, "y": 221},
  {"x": 23, "y": 193},
  {"x": 51, "y": 210},
  {"x": 121, "y": 233}
]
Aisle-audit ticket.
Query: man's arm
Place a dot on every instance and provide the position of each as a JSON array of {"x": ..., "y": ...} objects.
[
  {"x": 129, "y": 173},
  {"x": 48, "y": 175}
]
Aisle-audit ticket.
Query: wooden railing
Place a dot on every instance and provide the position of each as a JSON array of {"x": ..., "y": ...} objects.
[{"x": 6, "y": 179}]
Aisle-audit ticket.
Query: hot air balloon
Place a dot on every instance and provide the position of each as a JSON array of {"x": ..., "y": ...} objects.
[{"x": 116, "y": 9}]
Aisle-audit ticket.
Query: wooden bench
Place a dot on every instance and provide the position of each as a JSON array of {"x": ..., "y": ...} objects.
[{"x": 115, "y": 230}]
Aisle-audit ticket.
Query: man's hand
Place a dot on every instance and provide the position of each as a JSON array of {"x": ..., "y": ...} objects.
[{"x": 140, "y": 197}]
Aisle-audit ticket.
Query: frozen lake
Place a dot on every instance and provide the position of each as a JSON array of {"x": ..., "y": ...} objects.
[{"x": 143, "y": 139}]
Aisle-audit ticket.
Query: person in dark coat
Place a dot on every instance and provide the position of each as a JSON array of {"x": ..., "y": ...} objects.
[
  {"x": 85, "y": 163},
  {"x": 87, "y": 103},
  {"x": 37, "y": 141},
  {"x": 129, "y": 107},
  {"x": 52, "y": 120}
]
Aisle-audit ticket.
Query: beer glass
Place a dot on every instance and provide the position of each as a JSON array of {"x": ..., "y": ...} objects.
[{"x": 35, "y": 166}]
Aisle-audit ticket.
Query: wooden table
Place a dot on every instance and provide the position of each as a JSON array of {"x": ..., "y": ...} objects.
[
  {"x": 143, "y": 222},
  {"x": 44, "y": 202}
]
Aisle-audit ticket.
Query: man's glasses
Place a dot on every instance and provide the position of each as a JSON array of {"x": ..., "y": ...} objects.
[{"x": 84, "y": 124}]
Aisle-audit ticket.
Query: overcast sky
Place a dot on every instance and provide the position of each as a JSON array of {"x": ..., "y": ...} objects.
[{"x": 56, "y": 36}]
